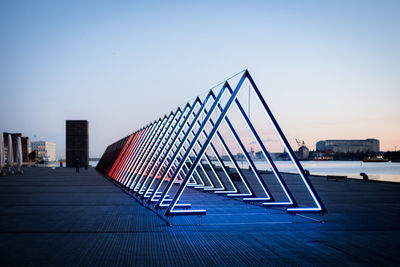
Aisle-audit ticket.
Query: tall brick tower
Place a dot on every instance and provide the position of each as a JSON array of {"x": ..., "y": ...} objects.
[{"x": 77, "y": 142}]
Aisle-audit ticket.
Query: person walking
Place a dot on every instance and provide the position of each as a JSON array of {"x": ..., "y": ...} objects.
[{"x": 77, "y": 165}]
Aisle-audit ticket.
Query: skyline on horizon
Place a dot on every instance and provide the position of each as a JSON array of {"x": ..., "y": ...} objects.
[{"x": 327, "y": 70}]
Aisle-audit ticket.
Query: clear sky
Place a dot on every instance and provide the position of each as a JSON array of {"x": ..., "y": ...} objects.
[{"x": 328, "y": 69}]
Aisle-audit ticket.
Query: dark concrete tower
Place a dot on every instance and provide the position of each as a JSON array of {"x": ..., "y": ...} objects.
[{"x": 77, "y": 142}]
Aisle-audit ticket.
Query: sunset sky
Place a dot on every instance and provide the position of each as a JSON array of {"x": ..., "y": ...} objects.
[{"x": 327, "y": 69}]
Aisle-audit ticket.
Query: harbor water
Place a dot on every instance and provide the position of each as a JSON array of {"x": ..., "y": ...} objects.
[{"x": 380, "y": 171}]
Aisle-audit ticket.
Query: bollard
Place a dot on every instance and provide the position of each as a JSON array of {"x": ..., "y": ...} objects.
[{"x": 364, "y": 176}]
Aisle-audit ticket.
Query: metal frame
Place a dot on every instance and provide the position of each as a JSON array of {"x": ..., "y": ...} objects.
[{"x": 152, "y": 160}]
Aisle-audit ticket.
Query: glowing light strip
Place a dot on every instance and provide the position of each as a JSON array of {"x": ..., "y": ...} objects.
[
  {"x": 194, "y": 180},
  {"x": 170, "y": 183},
  {"x": 235, "y": 164},
  {"x": 148, "y": 159},
  {"x": 134, "y": 155},
  {"x": 153, "y": 156},
  {"x": 267, "y": 157},
  {"x": 207, "y": 142},
  {"x": 158, "y": 184},
  {"x": 207, "y": 177},
  {"x": 150, "y": 154},
  {"x": 189, "y": 160},
  {"x": 124, "y": 172},
  {"x": 289, "y": 150},
  {"x": 249, "y": 160},
  {"x": 212, "y": 185},
  {"x": 110, "y": 157},
  {"x": 209, "y": 163},
  {"x": 202, "y": 151},
  {"x": 111, "y": 173},
  {"x": 188, "y": 212},
  {"x": 127, "y": 154},
  {"x": 179, "y": 148},
  {"x": 136, "y": 165},
  {"x": 121, "y": 172},
  {"x": 148, "y": 176},
  {"x": 176, "y": 146},
  {"x": 144, "y": 145},
  {"x": 219, "y": 158},
  {"x": 138, "y": 149},
  {"x": 122, "y": 144},
  {"x": 251, "y": 163},
  {"x": 122, "y": 159},
  {"x": 202, "y": 167},
  {"x": 162, "y": 155},
  {"x": 145, "y": 153}
]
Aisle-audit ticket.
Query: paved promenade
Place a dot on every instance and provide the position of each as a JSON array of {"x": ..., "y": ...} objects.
[{"x": 60, "y": 218}]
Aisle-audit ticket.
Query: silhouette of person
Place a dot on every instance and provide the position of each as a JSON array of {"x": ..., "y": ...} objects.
[{"x": 77, "y": 165}]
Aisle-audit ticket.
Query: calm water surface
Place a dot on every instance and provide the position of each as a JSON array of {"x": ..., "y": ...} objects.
[{"x": 382, "y": 171}]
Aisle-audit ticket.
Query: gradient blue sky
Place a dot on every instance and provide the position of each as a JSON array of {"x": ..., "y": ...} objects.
[{"x": 328, "y": 69}]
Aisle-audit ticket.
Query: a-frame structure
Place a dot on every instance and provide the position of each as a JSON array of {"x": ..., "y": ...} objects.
[{"x": 157, "y": 163}]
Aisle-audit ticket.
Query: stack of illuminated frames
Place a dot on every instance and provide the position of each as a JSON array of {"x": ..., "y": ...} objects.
[{"x": 168, "y": 154}]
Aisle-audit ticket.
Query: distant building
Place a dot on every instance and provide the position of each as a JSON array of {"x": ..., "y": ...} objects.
[
  {"x": 77, "y": 142},
  {"x": 303, "y": 153},
  {"x": 259, "y": 155},
  {"x": 45, "y": 150},
  {"x": 239, "y": 156},
  {"x": 24, "y": 143},
  {"x": 348, "y": 146}
]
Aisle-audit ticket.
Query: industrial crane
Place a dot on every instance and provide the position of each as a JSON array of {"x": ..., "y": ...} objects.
[{"x": 299, "y": 142}]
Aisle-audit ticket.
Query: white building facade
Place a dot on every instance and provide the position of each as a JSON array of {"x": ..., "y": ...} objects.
[
  {"x": 349, "y": 146},
  {"x": 44, "y": 149}
]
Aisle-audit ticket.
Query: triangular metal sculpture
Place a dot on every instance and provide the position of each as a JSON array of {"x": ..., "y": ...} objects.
[{"x": 168, "y": 152}]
